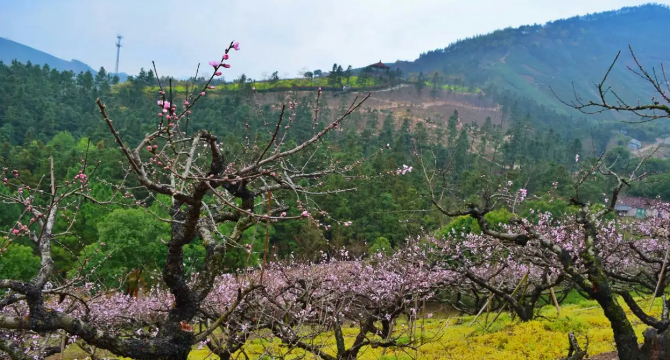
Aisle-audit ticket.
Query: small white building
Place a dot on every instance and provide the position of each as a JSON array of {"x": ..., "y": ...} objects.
[{"x": 634, "y": 144}]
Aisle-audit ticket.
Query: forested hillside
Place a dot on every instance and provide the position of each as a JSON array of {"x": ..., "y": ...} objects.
[
  {"x": 332, "y": 217},
  {"x": 44, "y": 112},
  {"x": 529, "y": 59}
]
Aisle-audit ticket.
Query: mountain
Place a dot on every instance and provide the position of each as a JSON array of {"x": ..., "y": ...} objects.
[
  {"x": 528, "y": 60},
  {"x": 10, "y": 50}
]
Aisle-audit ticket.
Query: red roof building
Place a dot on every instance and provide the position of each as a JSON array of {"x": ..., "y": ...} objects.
[{"x": 380, "y": 65}]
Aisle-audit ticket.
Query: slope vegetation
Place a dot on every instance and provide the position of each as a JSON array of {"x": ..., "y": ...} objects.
[{"x": 530, "y": 59}]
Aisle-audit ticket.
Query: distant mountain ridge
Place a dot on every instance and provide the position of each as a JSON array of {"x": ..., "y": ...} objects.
[
  {"x": 528, "y": 60},
  {"x": 11, "y": 50}
]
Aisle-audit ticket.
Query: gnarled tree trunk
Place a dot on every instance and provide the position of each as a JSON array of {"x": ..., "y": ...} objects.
[{"x": 656, "y": 346}]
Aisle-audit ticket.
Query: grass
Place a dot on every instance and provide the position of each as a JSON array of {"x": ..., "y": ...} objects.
[
  {"x": 180, "y": 87},
  {"x": 459, "y": 89}
]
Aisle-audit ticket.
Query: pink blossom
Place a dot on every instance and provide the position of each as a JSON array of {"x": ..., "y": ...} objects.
[
  {"x": 236, "y": 46},
  {"x": 15, "y": 231},
  {"x": 160, "y": 114},
  {"x": 186, "y": 102},
  {"x": 283, "y": 214},
  {"x": 305, "y": 213},
  {"x": 212, "y": 87},
  {"x": 577, "y": 158},
  {"x": 214, "y": 64},
  {"x": 523, "y": 193},
  {"x": 149, "y": 147}
]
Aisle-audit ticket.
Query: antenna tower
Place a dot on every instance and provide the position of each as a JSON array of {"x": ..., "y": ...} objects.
[{"x": 118, "y": 50}]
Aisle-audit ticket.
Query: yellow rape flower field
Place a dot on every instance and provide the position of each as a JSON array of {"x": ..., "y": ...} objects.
[{"x": 450, "y": 337}]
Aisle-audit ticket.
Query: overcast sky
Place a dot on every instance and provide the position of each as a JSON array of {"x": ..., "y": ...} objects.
[{"x": 283, "y": 35}]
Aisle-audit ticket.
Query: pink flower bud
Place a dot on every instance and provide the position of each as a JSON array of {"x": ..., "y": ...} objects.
[
  {"x": 227, "y": 66},
  {"x": 283, "y": 214},
  {"x": 212, "y": 87},
  {"x": 236, "y": 46},
  {"x": 160, "y": 114},
  {"x": 225, "y": 57},
  {"x": 149, "y": 147},
  {"x": 305, "y": 213},
  {"x": 202, "y": 93},
  {"x": 15, "y": 231},
  {"x": 218, "y": 73}
]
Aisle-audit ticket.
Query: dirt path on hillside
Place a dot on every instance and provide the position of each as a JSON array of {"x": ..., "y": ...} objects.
[
  {"x": 389, "y": 89},
  {"x": 427, "y": 104},
  {"x": 502, "y": 59},
  {"x": 650, "y": 147}
]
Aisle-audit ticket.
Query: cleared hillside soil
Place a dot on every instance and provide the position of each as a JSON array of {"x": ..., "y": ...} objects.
[{"x": 404, "y": 102}]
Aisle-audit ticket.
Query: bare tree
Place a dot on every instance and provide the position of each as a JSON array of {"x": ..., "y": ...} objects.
[
  {"x": 587, "y": 249},
  {"x": 208, "y": 184},
  {"x": 609, "y": 100}
]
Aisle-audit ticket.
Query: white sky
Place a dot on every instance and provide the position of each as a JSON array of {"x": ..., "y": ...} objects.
[{"x": 283, "y": 35}]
